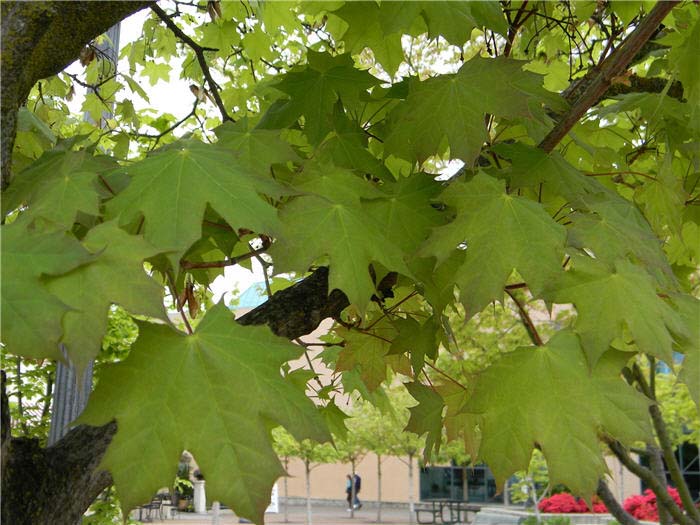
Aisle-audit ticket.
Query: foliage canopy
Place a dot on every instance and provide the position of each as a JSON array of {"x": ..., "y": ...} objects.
[{"x": 436, "y": 157}]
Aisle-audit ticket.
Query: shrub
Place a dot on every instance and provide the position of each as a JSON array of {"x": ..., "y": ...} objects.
[
  {"x": 643, "y": 506},
  {"x": 566, "y": 503}
]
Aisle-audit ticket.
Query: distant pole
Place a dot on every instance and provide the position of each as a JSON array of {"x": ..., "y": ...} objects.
[{"x": 70, "y": 395}]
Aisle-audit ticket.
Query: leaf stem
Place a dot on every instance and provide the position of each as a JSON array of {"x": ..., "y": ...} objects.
[
  {"x": 527, "y": 321},
  {"x": 199, "y": 52}
]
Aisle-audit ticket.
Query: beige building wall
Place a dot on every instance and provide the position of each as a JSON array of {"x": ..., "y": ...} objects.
[{"x": 328, "y": 480}]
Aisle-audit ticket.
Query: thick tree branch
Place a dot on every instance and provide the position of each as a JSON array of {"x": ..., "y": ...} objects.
[
  {"x": 666, "y": 445},
  {"x": 199, "y": 53},
  {"x": 600, "y": 79},
  {"x": 647, "y": 476},
  {"x": 40, "y": 39},
  {"x": 613, "y": 505}
]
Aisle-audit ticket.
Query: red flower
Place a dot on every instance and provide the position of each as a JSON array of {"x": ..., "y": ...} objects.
[{"x": 643, "y": 507}]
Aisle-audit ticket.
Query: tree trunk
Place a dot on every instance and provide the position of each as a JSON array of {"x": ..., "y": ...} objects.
[
  {"x": 379, "y": 488},
  {"x": 307, "y": 470},
  {"x": 286, "y": 491},
  {"x": 352, "y": 489},
  {"x": 411, "y": 497}
]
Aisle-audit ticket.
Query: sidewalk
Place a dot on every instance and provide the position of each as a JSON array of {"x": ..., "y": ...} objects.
[{"x": 320, "y": 515}]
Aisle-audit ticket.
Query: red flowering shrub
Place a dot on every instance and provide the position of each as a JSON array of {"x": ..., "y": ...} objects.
[
  {"x": 566, "y": 503},
  {"x": 643, "y": 507}
]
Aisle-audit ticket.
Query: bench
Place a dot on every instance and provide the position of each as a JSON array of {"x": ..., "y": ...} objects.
[{"x": 445, "y": 511}]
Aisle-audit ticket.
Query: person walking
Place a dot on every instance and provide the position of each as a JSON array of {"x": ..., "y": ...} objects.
[{"x": 358, "y": 484}]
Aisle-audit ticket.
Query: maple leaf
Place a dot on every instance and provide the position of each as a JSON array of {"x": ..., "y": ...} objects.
[
  {"x": 90, "y": 294},
  {"x": 346, "y": 147},
  {"x": 366, "y": 353},
  {"x": 563, "y": 416},
  {"x": 494, "y": 248},
  {"x": 688, "y": 308},
  {"x": 31, "y": 315},
  {"x": 420, "y": 339},
  {"x": 407, "y": 212},
  {"x": 608, "y": 300},
  {"x": 365, "y": 29},
  {"x": 453, "y": 107},
  {"x": 455, "y": 20},
  {"x": 334, "y": 223},
  {"x": 613, "y": 228},
  {"x": 59, "y": 185},
  {"x": 314, "y": 89},
  {"x": 426, "y": 416},
  {"x": 172, "y": 188},
  {"x": 213, "y": 393},
  {"x": 257, "y": 149}
]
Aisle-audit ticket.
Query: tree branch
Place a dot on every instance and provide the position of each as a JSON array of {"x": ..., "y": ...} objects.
[
  {"x": 527, "y": 321},
  {"x": 672, "y": 465},
  {"x": 30, "y": 34},
  {"x": 199, "y": 52},
  {"x": 607, "y": 497},
  {"x": 597, "y": 84},
  {"x": 647, "y": 476}
]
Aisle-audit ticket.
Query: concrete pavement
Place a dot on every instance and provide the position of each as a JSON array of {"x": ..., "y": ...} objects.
[{"x": 320, "y": 515}]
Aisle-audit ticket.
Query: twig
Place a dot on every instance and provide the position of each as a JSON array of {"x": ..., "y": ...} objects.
[
  {"x": 199, "y": 52},
  {"x": 173, "y": 291},
  {"x": 445, "y": 375},
  {"x": 527, "y": 321},
  {"x": 187, "y": 265},
  {"x": 600, "y": 80}
]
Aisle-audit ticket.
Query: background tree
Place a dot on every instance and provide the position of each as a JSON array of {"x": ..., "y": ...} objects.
[
  {"x": 310, "y": 453},
  {"x": 564, "y": 136}
]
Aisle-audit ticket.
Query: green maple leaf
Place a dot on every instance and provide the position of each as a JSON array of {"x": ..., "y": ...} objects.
[
  {"x": 531, "y": 166},
  {"x": 407, "y": 213},
  {"x": 31, "y": 315},
  {"x": 315, "y": 89},
  {"x": 613, "y": 228},
  {"x": 172, "y": 188},
  {"x": 365, "y": 29},
  {"x": 334, "y": 223},
  {"x": 365, "y": 353},
  {"x": 115, "y": 276},
  {"x": 346, "y": 147},
  {"x": 58, "y": 186},
  {"x": 420, "y": 339},
  {"x": 213, "y": 393},
  {"x": 523, "y": 237},
  {"x": 426, "y": 416},
  {"x": 455, "y": 20},
  {"x": 596, "y": 401},
  {"x": 255, "y": 148},
  {"x": 608, "y": 300},
  {"x": 453, "y": 107},
  {"x": 688, "y": 308},
  {"x": 683, "y": 58}
]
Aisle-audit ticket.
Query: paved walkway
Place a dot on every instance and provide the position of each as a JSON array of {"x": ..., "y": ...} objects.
[{"x": 321, "y": 515}]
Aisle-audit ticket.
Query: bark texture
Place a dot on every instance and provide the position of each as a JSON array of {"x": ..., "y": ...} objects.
[{"x": 40, "y": 39}]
